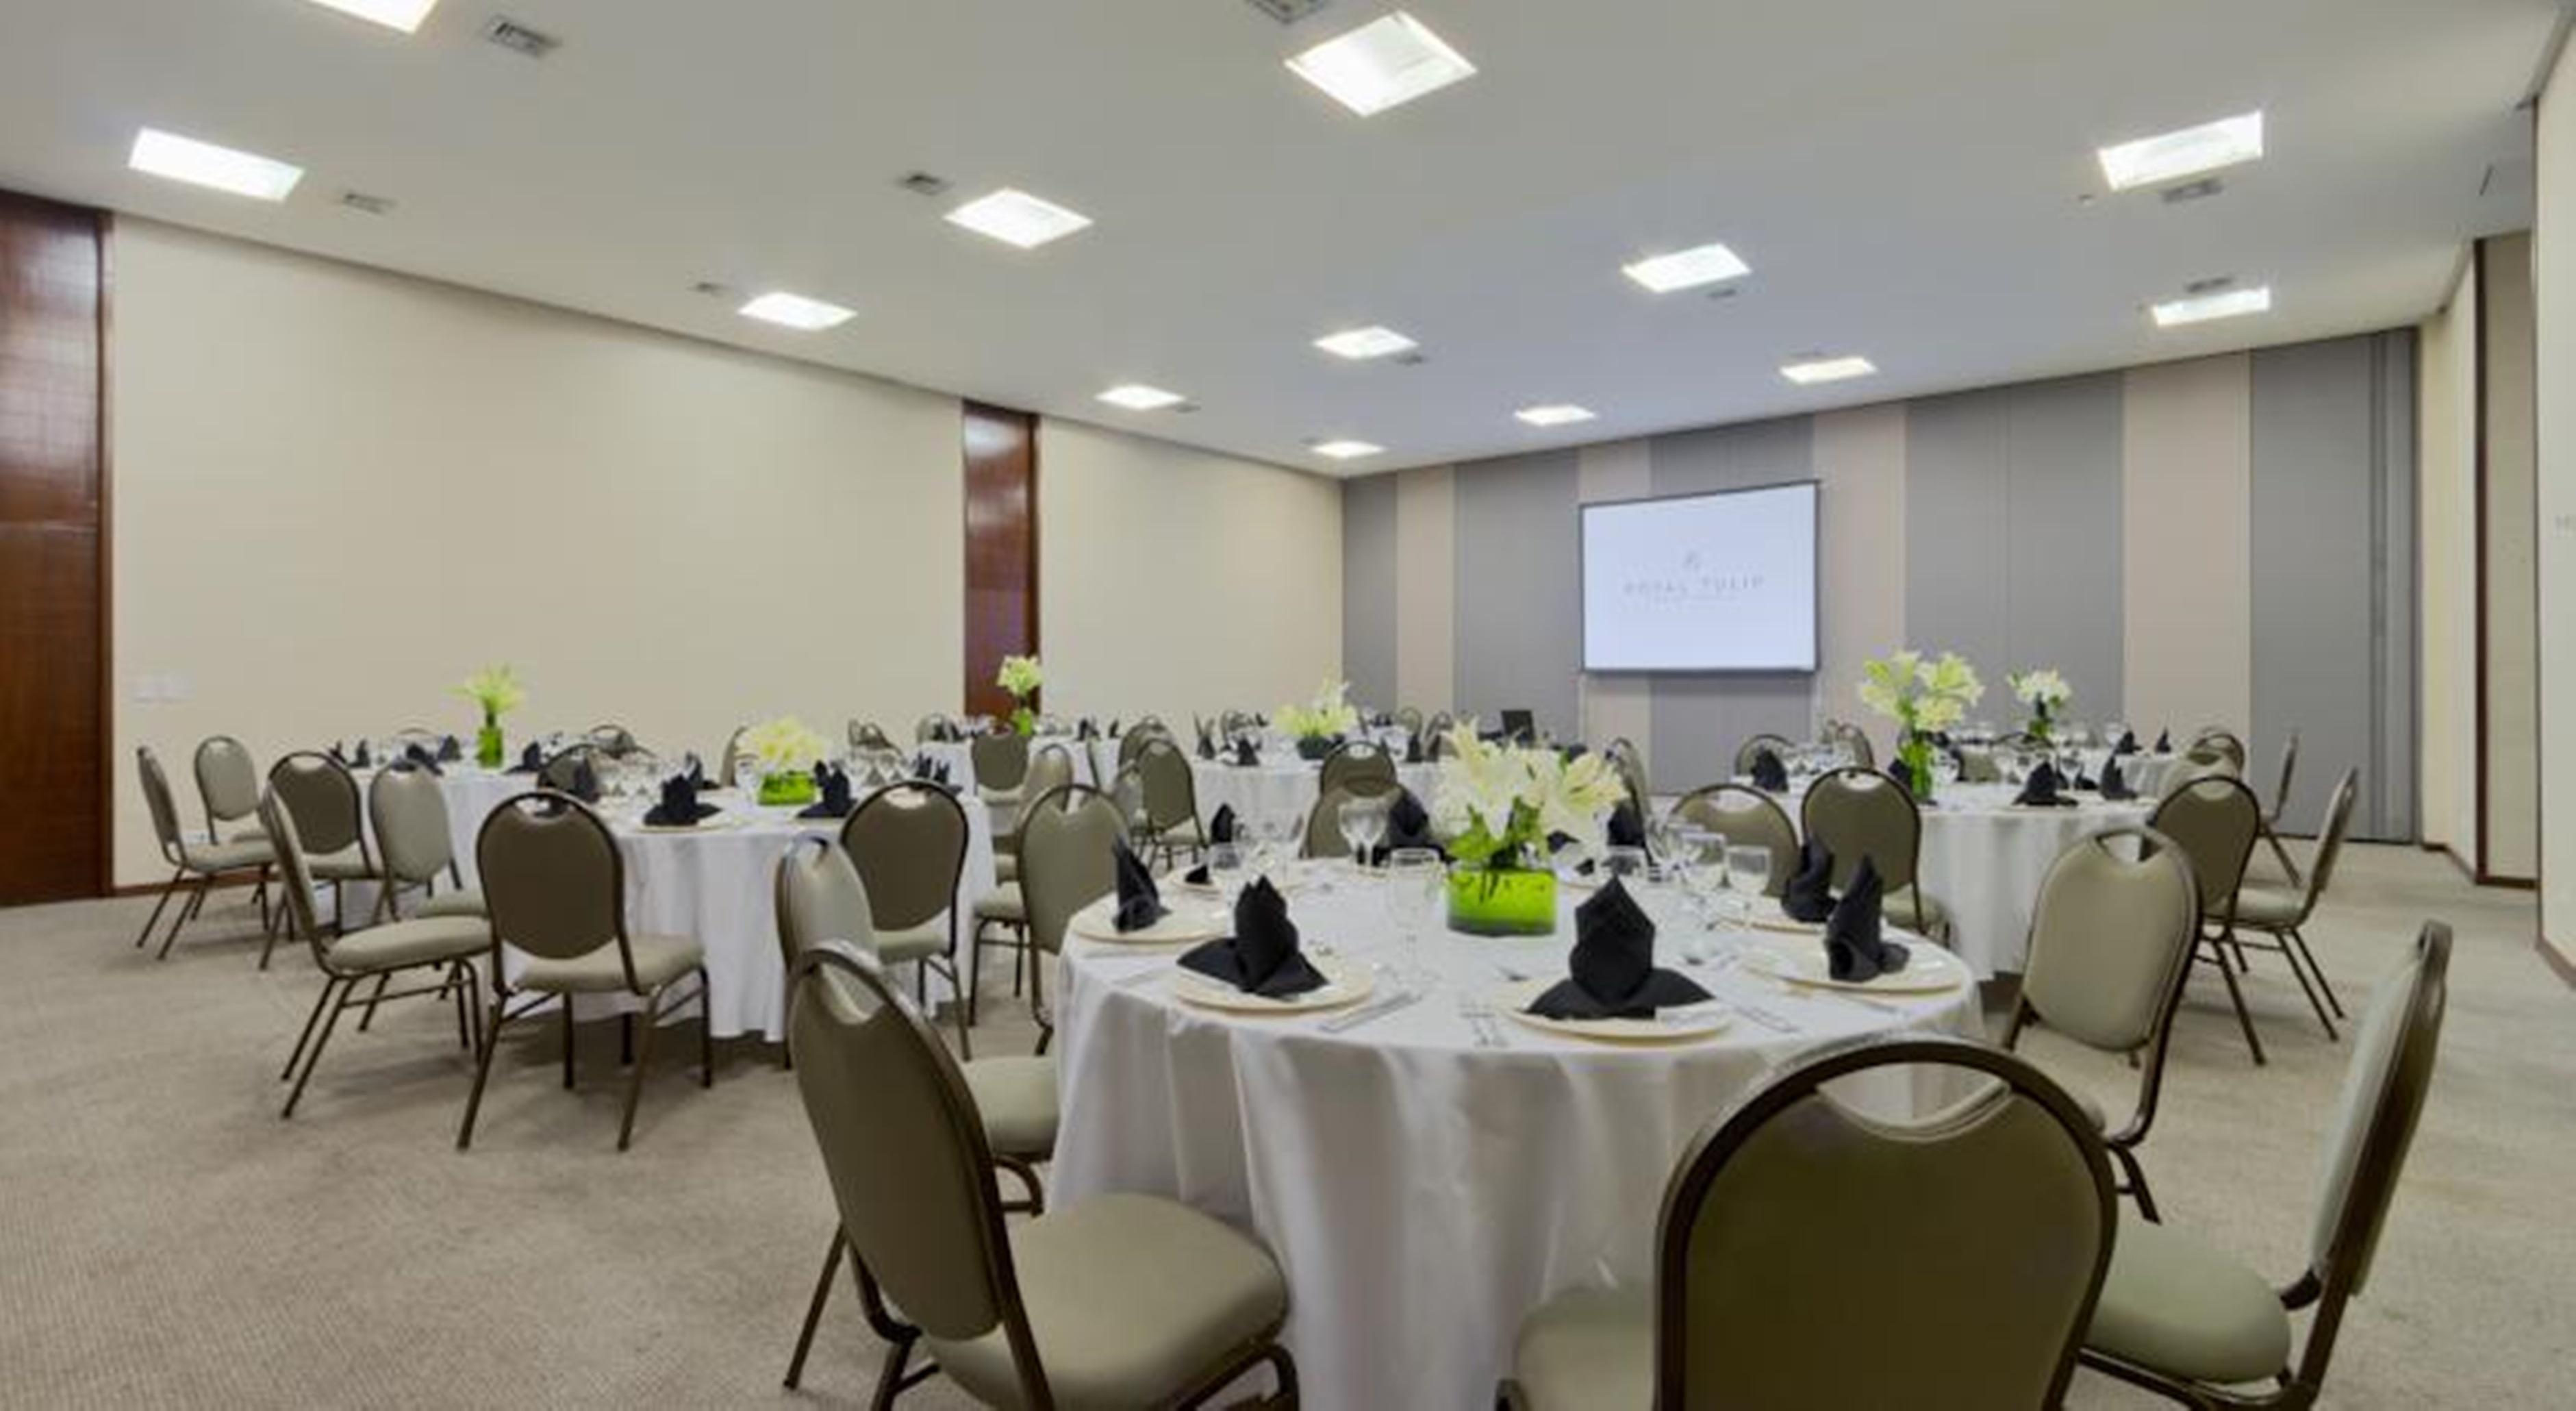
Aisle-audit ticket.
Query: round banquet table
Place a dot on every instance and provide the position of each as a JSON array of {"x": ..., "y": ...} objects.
[
  {"x": 714, "y": 882},
  {"x": 1423, "y": 1194},
  {"x": 1282, "y": 787},
  {"x": 1089, "y": 758},
  {"x": 2142, "y": 771}
]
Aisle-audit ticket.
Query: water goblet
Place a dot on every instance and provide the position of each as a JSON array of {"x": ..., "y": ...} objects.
[{"x": 1415, "y": 883}]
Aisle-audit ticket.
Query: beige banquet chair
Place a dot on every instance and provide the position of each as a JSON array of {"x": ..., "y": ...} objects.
[
  {"x": 1630, "y": 763},
  {"x": 1118, "y": 1301},
  {"x": 1854, "y": 741},
  {"x": 2215, "y": 819},
  {"x": 408, "y": 807},
  {"x": 2194, "y": 1324},
  {"x": 2111, "y": 940},
  {"x": 1001, "y": 767},
  {"x": 194, "y": 866},
  {"x": 328, "y": 807},
  {"x": 2219, "y": 740},
  {"x": 908, "y": 843},
  {"x": 1745, "y": 817},
  {"x": 1322, "y": 835},
  {"x": 445, "y": 947},
  {"x": 1168, "y": 794},
  {"x": 1754, "y": 745},
  {"x": 1860, "y": 813},
  {"x": 1789, "y": 1273},
  {"x": 1354, "y": 760},
  {"x": 1068, "y": 843},
  {"x": 2280, "y": 805},
  {"x": 2275, "y": 918},
  {"x": 554, "y": 884},
  {"x": 1002, "y": 908},
  {"x": 228, "y": 786}
]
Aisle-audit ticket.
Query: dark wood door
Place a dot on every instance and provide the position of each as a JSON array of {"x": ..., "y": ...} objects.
[
  {"x": 53, "y": 589},
  {"x": 1001, "y": 549}
]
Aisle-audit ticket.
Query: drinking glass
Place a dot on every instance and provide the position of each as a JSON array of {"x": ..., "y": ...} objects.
[
  {"x": 1748, "y": 876},
  {"x": 1416, "y": 884},
  {"x": 1352, "y": 820},
  {"x": 746, "y": 777},
  {"x": 1628, "y": 864},
  {"x": 1226, "y": 866}
]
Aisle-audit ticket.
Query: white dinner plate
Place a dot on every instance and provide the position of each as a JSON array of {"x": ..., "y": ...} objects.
[
  {"x": 703, "y": 825},
  {"x": 1099, "y": 922},
  {"x": 1343, "y": 984},
  {"x": 1928, "y": 969},
  {"x": 1687, "y": 1024}
]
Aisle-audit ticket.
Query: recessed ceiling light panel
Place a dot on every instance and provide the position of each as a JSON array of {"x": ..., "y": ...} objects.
[
  {"x": 1015, "y": 217},
  {"x": 1687, "y": 269},
  {"x": 1137, "y": 397},
  {"x": 795, "y": 311},
  {"x": 2231, "y": 303},
  {"x": 1554, "y": 414},
  {"x": 1815, "y": 370},
  {"x": 2171, "y": 156},
  {"x": 158, "y": 153},
  {"x": 404, "y": 15},
  {"x": 1347, "y": 450},
  {"x": 1370, "y": 342},
  {"x": 1390, "y": 60}
]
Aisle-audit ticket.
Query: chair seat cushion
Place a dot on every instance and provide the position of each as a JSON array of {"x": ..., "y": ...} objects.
[
  {"x": 2267, "y": 906},
  {"x": 1917, "y": 910},
  {"x": 349, "y": 864},
  {"x": 464, "y": 901},
  {"x": 1190, "y": 1296},
  {"x": 658, "y": 961},
  {"x": 420, "y": 941},
  {"x": 2181, "y": 1308},
  {"x": 1006, "y": 867},
  {"x": 910, "y": 943},
  {"x": 227, "y": 857},
  {"x": 1016, "y": 1096},
  {"x": 1587, "y": 1348},
  {"x": 999, "y": 798},
  {"x": 1003, "y": 903}
]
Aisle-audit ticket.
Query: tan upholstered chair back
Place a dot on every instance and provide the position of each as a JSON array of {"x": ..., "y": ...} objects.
[
  {"x": 1409, "y": 719},
  {"x": 553, "y": 881},
  {"x": 1354, "y": 760},
  {"x": 613, "y": 739},
  {"x": 909, "y": 842},
  {"x": 1624, "y": 756},
  {"x": 2216, "y": 820},
  {"x": 2374, "y": 1120},
  {"x": 730, "y": 759},
  {"x": 2221, "y": 742},
  {"x": 2321, "y": 867},
  {"x": 227, "y": 781},
  {"x": 1324, "y": 821},
  {"x": 1067, "y": 858},
  {"x": 1744, "y": 753},
  {"x": 294, "y": 875},
  {"x": 910, "y": 1169},
  {"x": 323, "y": 796},
  {"x": 1860, "y": 813},
  {"x": 2111, "y": 938},
  {"x": 409, "y": 810},
  {"x": 868, "y": 735},
  {"x": 557, "y": 773},
  {"x": 927, "y": 728},
  {"x": 1785, "y": 1256},
  {"x": 1170, "y": 791},
  {"x": 2289, "y": 771},
  {"x": 1050, "y": 769},
  {"x": 156, "y": 796},
  {"x": 1854, "y": 739},
  {"x": 1132, "y": 745},
  {"x": 820, "y": 898},
  {"x": 1001, "y": 761},
  {"x": 1746, "y": 818}
]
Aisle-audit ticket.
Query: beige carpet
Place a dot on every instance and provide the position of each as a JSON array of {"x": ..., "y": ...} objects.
[{"x": 166, "y": 1240}]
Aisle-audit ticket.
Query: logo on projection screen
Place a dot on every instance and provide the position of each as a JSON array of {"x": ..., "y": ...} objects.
[{"x": 1692, "y": 582}]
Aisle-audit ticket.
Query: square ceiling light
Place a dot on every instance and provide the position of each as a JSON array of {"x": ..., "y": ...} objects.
[
  {"x": 1359, "y": 344},
  {"x": 158, "y": 153},
  {"x": 1815, "y": 370},
  {"x": 796, "y": 311},
  {"x": 1687, "y": 269},
  {"x": 404, "y": 15},
  {"x": 2227, "y": 303},
  {"x": 1347, "y": 450},
  {"x": 2190, "y": 151},
  {"x": 1015, "y": 217},
  {"x": 1390, "y": 60},
  {"x": 1554, "y": 414},
  {"x": 1137, "y": 397}
]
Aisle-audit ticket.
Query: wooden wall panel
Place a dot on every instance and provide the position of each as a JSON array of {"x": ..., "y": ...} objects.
[
  {"x": 52, "y": 553},
  {"x": 1001, "y": 549}
]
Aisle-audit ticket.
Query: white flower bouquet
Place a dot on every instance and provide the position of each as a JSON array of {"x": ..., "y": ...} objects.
[
  {"x": 1495, "y": 806},
  {"x": 786, "y": 750},
  {"x": 1923, "y": 695},
  {"x": 1021, "y": 676},
  {"x": 497, "y": 691},
  {"x": 2045, "y": 692},
  {"x": 1330, "y": 716}
]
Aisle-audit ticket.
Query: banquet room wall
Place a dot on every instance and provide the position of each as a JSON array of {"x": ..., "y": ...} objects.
[
  {"x": 2554, "y": 280},
  {"x": 338, "y": 491}
]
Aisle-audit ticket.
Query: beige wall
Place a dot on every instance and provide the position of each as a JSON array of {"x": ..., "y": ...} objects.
[
  {"x": 1426, "y": 589},
  {"x": 2187, "y": 541},
  {"x": 1180, "y": 581},
  {"x": 2512, "y": 792},
  {"x": 1616, "y": 705},
  {"x": 1860, "y": 457},
  {"x": 2554, "y": 260},
  {"x": 2447, "y": 645}
]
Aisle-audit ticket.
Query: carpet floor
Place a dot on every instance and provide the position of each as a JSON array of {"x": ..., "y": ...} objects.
[{"x": 167, "y": 1240}]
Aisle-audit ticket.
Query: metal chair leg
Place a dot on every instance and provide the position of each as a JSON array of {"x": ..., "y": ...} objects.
[
  {"x": 565, "y": 1002},
  {"x": 2236, "y": 996},
  {"x": 2299, "y": 938},
  {"x": 2137, "y": 1183},
  {"x": 150, "y": 923},
  {"x": 306, "y": 1036},
  {"x": 372, "y": 1001},
  {"x": 635, "y": 1079},
  {"x": 814, "y": 1311},
  {"x": 196, "y": 897},
  {"x": 313, "y": 1060},
  {"x": 482, "y": 1074},
  {"x": 706, "y": 1032},
  {"x": 2299, "y": 973}
]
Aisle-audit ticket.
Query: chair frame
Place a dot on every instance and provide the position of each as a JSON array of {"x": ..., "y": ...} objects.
[
  {"x": 358, "y": 826},
  {"x": 641, "y": 1045},
  {"x": 1064, "y": 798},
  {"x": 215, "y": 822},
  {"x": 1158, "y": 831},
  {"x": 1914, "y": 846},
  {"x": 1349, "y": 755},
  {"x": 946, "y": 962},
  {"x": 2213, "y": 946},
  {"x": 196, "y": 881},
  {"x": 1772, "y": 885},
  {"x": 1780, "y": 745},
  {"x": 2289, "y": 939},
  {"x": 388, "y": 896},
  {"x": 2280, "y": 806}
]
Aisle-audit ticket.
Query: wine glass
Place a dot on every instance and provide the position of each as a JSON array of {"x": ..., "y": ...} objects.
[
  {"x": 1351, "y": 820},
  {"x": 746, "y": 776},
  {"x": 1748, "y": 876},
  {"x": 1226, "y": 866},
  {"x": 1625, "y": 863},
  {"x": 1415, "y": 883}
]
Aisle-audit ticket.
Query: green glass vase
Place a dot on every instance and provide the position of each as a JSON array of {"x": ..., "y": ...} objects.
[
  {"x": 792, "y": 787},
  {"x": 489, "y": 750},
  {"x": 1502, "y": 901}
]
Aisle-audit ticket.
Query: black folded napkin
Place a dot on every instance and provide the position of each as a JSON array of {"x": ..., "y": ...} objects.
[
  {"x": 1140, "y": 903},
  {"x": 1855, "y": 949},
  {"x": 1902, "y": 776},
  {"x": 834, "y": 782},
  {"x": 1246, "y": 755},
  {"x": 1221, "y": 825},
  {"x": 585, "y": 781},
  {"x": 1113, "y": 728},
  {"x": 679, "y": 807},
  {"x": 1086, "y": 730},
  {"x": 2039, "y": 790},
  {"x": 1207, "y": 744},
  {"x": 1612, "y": 972},
  {"x": 2114, "y": 785},
  {"x": 696, "y": 769},
  {"x": 420, "y": 755},
  {"x": 1413, "y": 748},
  {"x": 339, "y": 755},
  {"x": 2164, "y": 742},
  {"x": 450, "y": 750},
  {"x": 531, "y": 759},
  {"x": 363, "y": 758},
  {"x": 1769, "y": 774},
  {"x": 1626, "y": 829},
  {"x": 2128, "y": 743},
  {"x": 1408, "y": 825},
  {"x": 1261, "y": 957},
  {"x": 1199, "y": 876},
  {"x": 1809, "y": 896}
]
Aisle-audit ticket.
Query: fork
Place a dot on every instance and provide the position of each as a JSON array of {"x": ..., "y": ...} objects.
[{"x": 1480, "y": 1018}]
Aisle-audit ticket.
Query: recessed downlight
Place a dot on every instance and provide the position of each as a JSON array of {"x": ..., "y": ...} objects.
[
  {"x": 404, "y": 15},
  {"x": 1015, "y": 217},
  {"x": 1809, "y": 371},
  {"x": 1554, "y": 414},
  {"x": 1357, "y": 344},
  {"x": 2185, "y": 152},
  {"x": 1345, "y": 450},
  {"x": 166, "y": 154},
  {"x": 1137, "y": 397},
  {"x": 2227, "y": 303},
  {"x": 795, "y": 311},
  {"x": 1391, "y": 60},
  {"x": 1687, "y": 269}
]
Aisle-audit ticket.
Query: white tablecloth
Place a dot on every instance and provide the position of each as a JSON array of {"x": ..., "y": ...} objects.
[
  {"x": 1093, "y": 760},
  {"x": 1421, "y": 1194},
  {"x": 1282, "y": 788},
  {"x": 714, "y": 883},
  {"x": 2142, "y": 771}
]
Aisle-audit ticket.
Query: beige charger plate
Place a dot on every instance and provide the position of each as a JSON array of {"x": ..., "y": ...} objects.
[
  {"x": 1099, "y": 922},
  {"x": 1514, "y": 1000},
  {"x": 1343, "y": 985}
]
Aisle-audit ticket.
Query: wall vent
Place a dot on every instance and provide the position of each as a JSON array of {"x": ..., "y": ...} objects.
[
  {"x": 2210, "y": 285},
  {"x": 1289, "y": 11},
  {"x": 372, "y": 205},
  {"x": 2206, "y": 187},
  {"x": 519, "y": 39},
  {"x": 922, "y": 183}
]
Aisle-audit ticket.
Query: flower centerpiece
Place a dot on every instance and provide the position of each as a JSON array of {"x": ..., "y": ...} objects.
[
  {"x": 786, "y": 751},
  {"x": 1322, "y": 722},
  {"x": 2044, "y": 691},
  {"x": 1496, "y": 806},
  {"x": 497, "y": 690},
  {"x": 1923, "y": 696},
  {"x": 1021, "y": 676}
]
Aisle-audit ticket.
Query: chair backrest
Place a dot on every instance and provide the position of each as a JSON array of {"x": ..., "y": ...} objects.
[
  {"x": 1440, "y": 723},
  {"x": 2289, "y": 768},
  {"x": 1001, "y": 761},
  {"x": 1755, "y": 745},
  {"x": 1167, "y": 786},
  {"x": 1324, "y": 821},
  {"x": 227, "y": 782},
  {"x": 1409, "y": 718},
  {"x": 611, "y": 738},
  {"x": 2111, "y": 939},
  {"x": 409, "y": 809},
  {"x": 911, "y": 1171},
  {"x": 1860, "y": 813},
  {"x": 558, "y": 772},
  {"x": 868, "y": 735},
  {"x": 2321, "y": 863},
  {"x": 2221, "y": 740},
  {"x": 1352, "y": 761},
  {"x": 1785, "y": 1247},
  {"x": 1131, "y": 746},
  {"x": 294, "y": 877},
  {"x": 928, "y": 728},
  {"x": 729, "y": 758},
  {"x": 554, "y": 883},
  {"x": 2217, "y": 821},
  {"x": 820, "y": 898},
  {"x": 156, "y": 796},
  {"x": 1856, "y": 741},
  {"x": 1625, "y": 757},
  {"x": 908, "y": 841},
  {"x": 1746, "y": 817},
  {"x": 323, "y": 796},
  {"x": 1067, "y": 857}
]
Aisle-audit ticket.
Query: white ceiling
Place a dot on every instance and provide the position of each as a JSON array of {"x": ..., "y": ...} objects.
[{"x": 1904, "y": 178}]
